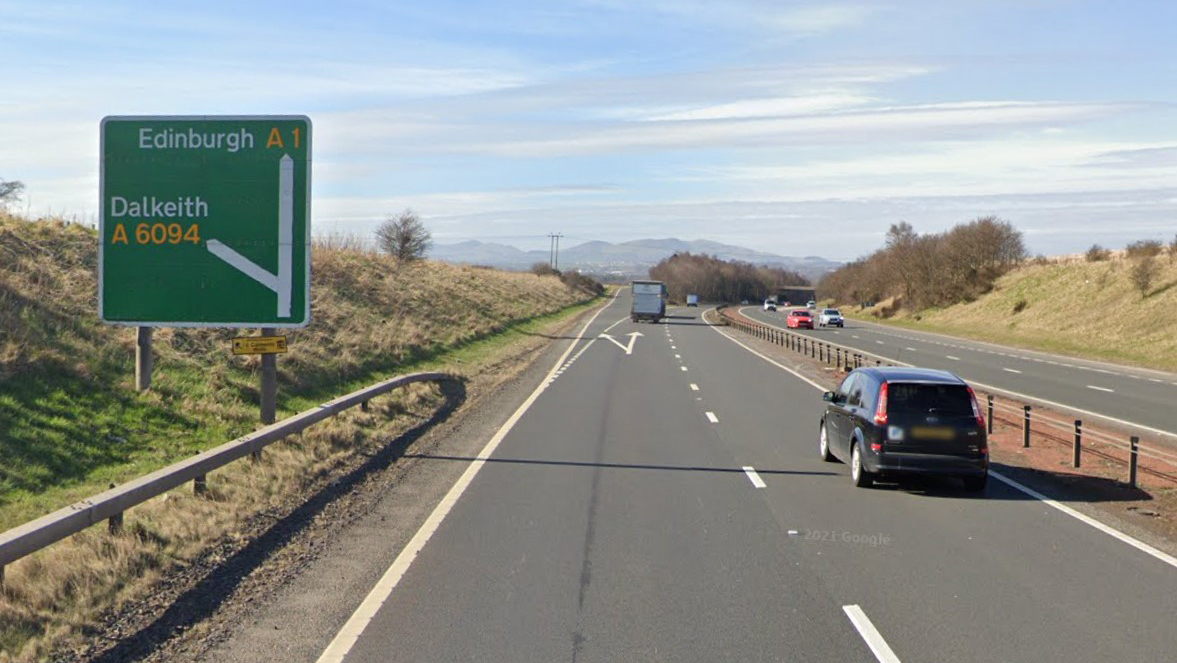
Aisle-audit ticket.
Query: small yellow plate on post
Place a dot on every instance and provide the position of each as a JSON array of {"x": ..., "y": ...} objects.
[{"x": 259, "y": 345}]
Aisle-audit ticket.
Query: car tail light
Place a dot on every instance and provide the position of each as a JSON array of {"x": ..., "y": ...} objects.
[
  {"x": 976, "y": 408},
  {"x": 876, "y": 446},
  {"x": 881, "y": 408}
]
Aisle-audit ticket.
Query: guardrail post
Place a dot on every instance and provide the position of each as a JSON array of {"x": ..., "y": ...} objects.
[
  {"x": 1078, "y": 442},
  {"x": 989, "y": 419},
  {"x": 200, "y": 485},
  {"x": 1026, "y": 426},
  {"x": 1133, "y": 452},
  {"x": 115, "y": 523},
  {"x": 363, "y": 406}
]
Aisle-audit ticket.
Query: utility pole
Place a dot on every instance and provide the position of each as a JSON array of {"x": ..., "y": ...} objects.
[{"x": 554, "y": 250}]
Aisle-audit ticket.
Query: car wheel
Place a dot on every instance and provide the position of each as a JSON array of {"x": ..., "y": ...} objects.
[
  {"x": 858, "y": 473},
  {"x": 975, "y": 484},
  {"x": 824, "y": 445}
]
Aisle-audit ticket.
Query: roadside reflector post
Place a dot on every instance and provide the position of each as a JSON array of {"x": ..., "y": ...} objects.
[
  {"x": 143, "y": 359},
  {"x": 989, "y": 419},
  {"x": 1133, "y": 453},
  {"x": 1078, "y": 442},
  {"x": 839, "y": 364},
  {"x": 1026, "y": 426}
]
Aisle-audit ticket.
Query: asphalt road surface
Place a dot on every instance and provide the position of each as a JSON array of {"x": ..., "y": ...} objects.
[
  {"x": 1135, "y": 396},
  {"x": 668, "y": 504}
]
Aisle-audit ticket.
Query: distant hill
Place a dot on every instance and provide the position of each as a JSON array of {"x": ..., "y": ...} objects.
[{"x": 633, "y": 258}]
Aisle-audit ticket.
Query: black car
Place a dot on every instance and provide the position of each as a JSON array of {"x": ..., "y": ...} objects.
[{"x": 890, "y": 421}]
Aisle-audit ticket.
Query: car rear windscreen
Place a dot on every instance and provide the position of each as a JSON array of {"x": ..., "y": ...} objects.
[{"x": 923, "y": 399}]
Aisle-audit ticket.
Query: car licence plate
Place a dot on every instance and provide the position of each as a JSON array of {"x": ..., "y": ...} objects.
[{"x": 932, "y": 433}]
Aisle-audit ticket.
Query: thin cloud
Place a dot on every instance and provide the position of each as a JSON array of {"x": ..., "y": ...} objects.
[{"x": 820, "y": 19}]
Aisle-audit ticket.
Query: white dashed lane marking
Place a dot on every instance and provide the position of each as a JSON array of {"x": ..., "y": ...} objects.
[{"x": 754, "y": 477}]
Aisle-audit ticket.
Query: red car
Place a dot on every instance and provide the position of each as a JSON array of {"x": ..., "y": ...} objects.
[{"x": 800, "y": 319}]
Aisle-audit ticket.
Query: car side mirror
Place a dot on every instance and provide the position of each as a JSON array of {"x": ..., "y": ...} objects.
[{"x": 829, "y": 397}]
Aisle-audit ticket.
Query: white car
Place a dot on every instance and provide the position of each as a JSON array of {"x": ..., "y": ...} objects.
[
  {"x": 769, "y": 305},
  {"x": 830, "y": 317}
]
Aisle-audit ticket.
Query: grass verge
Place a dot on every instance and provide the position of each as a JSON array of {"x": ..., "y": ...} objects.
[
  {"x": 1079, "y": 309},
  {"x": 56, "y": 600},
  {"x": 71, "y": 422}
]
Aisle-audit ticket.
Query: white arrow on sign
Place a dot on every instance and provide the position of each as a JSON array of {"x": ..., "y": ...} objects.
[
  {"x": 633, "y": 336},
  {"x": 282, "y": 282}
]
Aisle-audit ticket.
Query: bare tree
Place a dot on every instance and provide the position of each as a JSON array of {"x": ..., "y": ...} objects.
[
  {"x": 404, "y": 237},
  {"x": 1144, "y": 272},
  {"x": 1097, "y": 253},
  {"x": 10, "y": 192}
]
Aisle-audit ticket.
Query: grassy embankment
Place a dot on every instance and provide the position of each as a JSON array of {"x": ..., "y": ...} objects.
[
  {"x": 71, "y": 422},
  {"x": 1081, "y": 309}
]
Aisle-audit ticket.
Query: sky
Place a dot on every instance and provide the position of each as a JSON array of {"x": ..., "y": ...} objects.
[{"x": 798, "y": 128}]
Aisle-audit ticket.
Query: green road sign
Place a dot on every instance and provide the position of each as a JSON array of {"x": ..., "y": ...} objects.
[{"x": 205, "y": 221}]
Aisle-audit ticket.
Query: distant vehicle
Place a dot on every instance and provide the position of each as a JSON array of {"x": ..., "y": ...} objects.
[
  {"x": 830, "y": 317},
  {"x": 894, "y": 421},
  {"x": 649, "y": 301},
  {"x": 799, "y": 319},
  {"x": 785, "y": 304},
  {"x": 811, "y": 304},
  {"x": 692, "y": 300},
  {"x": 744, "y": 302},
  {"x": 769, "y": 305}
]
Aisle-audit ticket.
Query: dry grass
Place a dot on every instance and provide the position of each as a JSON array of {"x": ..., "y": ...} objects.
[
  {"x": 1088, "y": 309},
  {"x": 53, "y": 597}
]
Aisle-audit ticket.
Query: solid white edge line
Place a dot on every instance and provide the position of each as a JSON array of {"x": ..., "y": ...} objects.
[
  {"x": 347, "y": 636},
  {"x": 870, "y": 634},
  {"x": 1081, "y": 517},
  {"x": 712, "y": 418},
  {"x": 754, "y": 477},
  {"x": 1012, "y": 394},
  {"x": 771, "y": 361}
]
